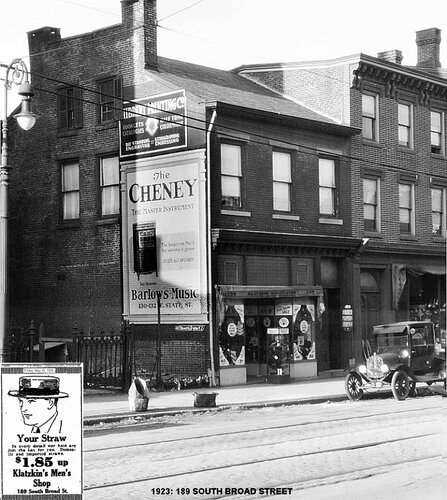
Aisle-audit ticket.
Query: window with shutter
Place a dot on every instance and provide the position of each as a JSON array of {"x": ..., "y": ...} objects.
[{"x": 69, "y": 108}]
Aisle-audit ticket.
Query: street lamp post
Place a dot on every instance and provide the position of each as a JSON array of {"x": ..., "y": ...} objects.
[{"x": 16, "y": 74}]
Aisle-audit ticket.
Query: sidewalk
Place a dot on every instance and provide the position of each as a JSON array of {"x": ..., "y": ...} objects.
[{"x": 100, "y": 406}]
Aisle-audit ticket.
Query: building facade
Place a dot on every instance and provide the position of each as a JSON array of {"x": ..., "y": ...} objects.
[
  {"x": 398, "y": 171},
  {"x": 250, "y": 236}
]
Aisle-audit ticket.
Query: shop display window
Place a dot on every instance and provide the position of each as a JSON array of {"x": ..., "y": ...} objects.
[
  {"x": 270, "y": 333},
  {"x": 232, "y": 337}
]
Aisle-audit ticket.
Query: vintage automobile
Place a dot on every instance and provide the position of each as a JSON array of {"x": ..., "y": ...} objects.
[{"x": 398, "y": 355}]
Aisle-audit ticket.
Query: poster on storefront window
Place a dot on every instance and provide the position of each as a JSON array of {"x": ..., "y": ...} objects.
[
  {"x": 164, "y": 239},
  {"x": 303, "y": 331},
  {"x": 41, "y": 431},
  {"x": 232, "y": 334}
]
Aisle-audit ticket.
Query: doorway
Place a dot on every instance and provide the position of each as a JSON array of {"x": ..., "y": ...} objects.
[{"x": 370, "y": 302}]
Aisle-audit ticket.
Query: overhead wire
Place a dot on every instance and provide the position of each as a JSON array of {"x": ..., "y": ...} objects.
[
  {"x": 261, "y": 138},
  {"x": 181, "y": 10},
  {"x": 70, "y": 2}
]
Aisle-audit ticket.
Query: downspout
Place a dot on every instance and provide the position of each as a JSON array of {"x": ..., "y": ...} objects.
[{"x": 209, "y": 246}]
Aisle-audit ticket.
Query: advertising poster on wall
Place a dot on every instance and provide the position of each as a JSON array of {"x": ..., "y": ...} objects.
[
  {"x": 41, "y": 431},
  {"x": 153, "y": 124},
  {"x": 164, "y": 239}
]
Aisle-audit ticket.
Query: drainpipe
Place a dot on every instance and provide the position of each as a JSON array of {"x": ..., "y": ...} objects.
[{"x": 209, "y": 245}]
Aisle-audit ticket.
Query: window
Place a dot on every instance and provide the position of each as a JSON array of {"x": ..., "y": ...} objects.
[
  {"x": 405, "y": 121},
  {"x": 109, "y": 178},
  {"x": 371, "y": 204},
  {"x": 406, "y": 216},
  {"x": 437, "y": 211},
  {"x": 282, "y": 180},
  {"x": 69, "y": 108},
  {"x": 110, "y": 99},
  {"x": 328, "y": 193},
  {"x": 369, "y": 117},
  {"x": 436, "y": 132},
  {"x": 231, "y": 175},
  {"x": 70, "y": 191}
]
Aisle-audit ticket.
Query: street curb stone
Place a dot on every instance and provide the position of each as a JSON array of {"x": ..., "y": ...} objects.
[{"x": 108, "y": 419}]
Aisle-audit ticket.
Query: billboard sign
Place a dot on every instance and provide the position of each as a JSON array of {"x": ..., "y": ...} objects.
[
  {"x": 164, "y": 239},
  {"x": 41, "y": 431},
  {"x": 153, "y": 124}
]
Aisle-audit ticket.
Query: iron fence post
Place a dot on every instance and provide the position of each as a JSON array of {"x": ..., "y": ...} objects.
[{"x": 31, "y": 332}]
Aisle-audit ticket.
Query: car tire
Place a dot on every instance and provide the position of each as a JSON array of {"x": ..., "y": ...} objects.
[
  {"x": 400, "y": 385},
  {"x": 354, "y": 386}
]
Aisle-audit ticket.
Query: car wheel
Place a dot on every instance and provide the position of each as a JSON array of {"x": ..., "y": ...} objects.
[
  {"x": 353, "y": 386},
  {"x": 400, "y": 385}
]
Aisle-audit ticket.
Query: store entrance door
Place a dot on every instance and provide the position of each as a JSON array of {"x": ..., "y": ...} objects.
[
  {"x": 259, "y": 316},
  {"x": 370, "y": 312}
]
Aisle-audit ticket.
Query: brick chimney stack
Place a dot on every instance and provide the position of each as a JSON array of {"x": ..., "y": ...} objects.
[
  {"x": 142, "y": 14},
  {"x": 395, "y": 56},
  {"x": 428, "y": 43}
]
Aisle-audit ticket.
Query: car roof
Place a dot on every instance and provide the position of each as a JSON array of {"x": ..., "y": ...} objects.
[{"x": 400, "y": 326}]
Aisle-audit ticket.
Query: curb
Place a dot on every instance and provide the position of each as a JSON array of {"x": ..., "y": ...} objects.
[{"x": 109, "y": 419}]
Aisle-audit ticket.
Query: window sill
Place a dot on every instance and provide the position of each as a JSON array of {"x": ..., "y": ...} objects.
[
  {"x": 106, "y": 221},
  {"x": 405, "y": 149},
  {"x": 371, "y": 142},
  {"x": 285, "y": 217},
  {"x": 373, "y": 234},
  {"x": 438, "y": 156},
  {"x": 408, "y": 237},
  {"x": 236, "y": 213},
  {"x": 66, "y": 133},
  {"x": 75, "y": 224},
  {"x": 439, "y": 239},
  {"x": 324, "y": 220}
]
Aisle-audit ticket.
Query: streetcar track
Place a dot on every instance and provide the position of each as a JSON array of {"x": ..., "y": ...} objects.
[
  {"x": 265, "y": 461},
  {"x": 339, "y": 478},
  {"x": 260, "y": 429}
]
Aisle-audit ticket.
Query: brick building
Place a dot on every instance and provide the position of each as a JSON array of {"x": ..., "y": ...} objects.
[
  {"x": 221, "y": 216},
  {"x": 398, "y": 165}
]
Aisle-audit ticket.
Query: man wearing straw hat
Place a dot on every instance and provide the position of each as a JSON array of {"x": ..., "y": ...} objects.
[{"x": 38, "y": 397}]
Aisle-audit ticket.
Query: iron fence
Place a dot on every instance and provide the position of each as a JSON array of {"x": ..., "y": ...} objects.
[
  {"x": 106, "y": 358},
  {"x": 21, "y": 344}
]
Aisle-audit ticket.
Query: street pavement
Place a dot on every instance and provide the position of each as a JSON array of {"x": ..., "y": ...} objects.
[{"x": 106, "y": 407}]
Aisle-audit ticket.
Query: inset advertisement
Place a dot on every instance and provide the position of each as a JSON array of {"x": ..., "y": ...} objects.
[{"x": 41, "y": 431}]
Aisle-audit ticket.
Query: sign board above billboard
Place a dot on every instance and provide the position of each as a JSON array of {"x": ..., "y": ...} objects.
[{"x": 153, "y": 124}]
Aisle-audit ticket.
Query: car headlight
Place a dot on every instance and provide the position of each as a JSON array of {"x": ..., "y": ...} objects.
[
  {"x": 362, "y": 369},
  {"x": 405, "y": 354},
  {"x": 384, "y": 368}
]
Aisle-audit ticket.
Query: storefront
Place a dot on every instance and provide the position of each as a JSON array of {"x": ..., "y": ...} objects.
[
  {"x": 268, "y": 333},
  {"x": 419, "y": 291}
]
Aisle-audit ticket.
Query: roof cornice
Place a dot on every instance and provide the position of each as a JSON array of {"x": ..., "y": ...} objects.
[
  {"x": 395, "y": 77},
  {"x": 392, "y": 75}
]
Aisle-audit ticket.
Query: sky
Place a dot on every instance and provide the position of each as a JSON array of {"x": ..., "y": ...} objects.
[{"x": 228, "y": 33}]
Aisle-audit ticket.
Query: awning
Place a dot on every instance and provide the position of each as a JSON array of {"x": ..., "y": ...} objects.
[
  {"x": 399, "y": 276},
  {"x": 438, "y": 270},
  {"x": 253, "y": 292}
]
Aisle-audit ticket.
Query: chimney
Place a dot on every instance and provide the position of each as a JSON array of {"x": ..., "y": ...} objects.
[
  {"x": 40, "y": 40},
  {"x": 428, "y": 43},
  {"x": 142, "y": 14},
  {"x": 395, "y": 56}
]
